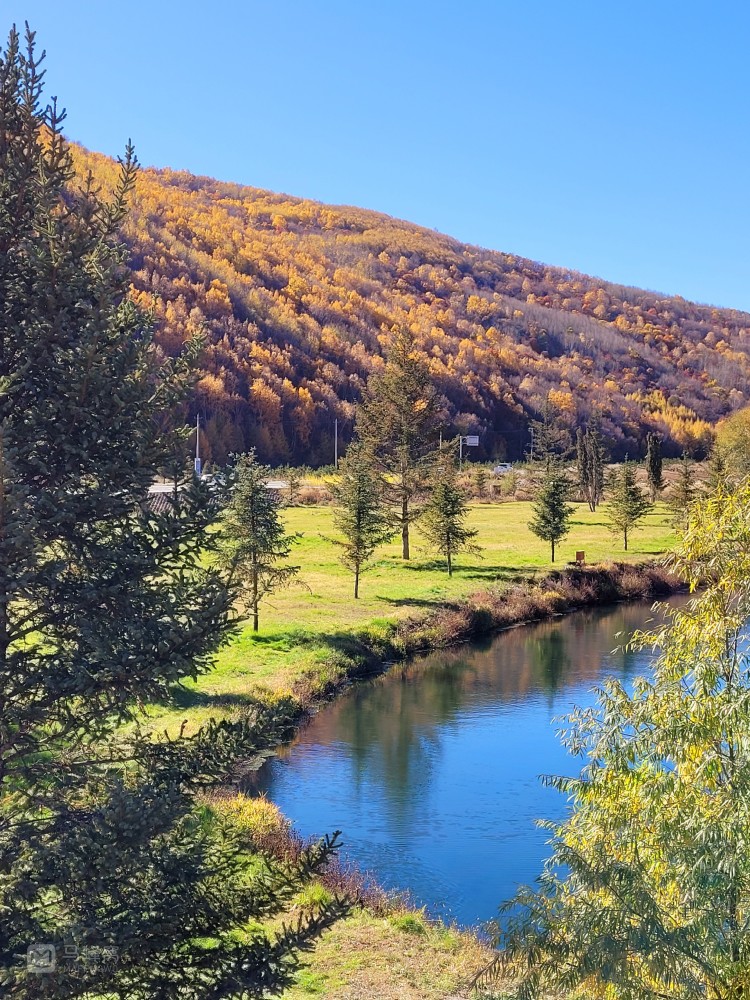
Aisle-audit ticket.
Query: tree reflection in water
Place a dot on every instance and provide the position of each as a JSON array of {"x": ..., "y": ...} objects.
[{"x": 432, "y": 771}]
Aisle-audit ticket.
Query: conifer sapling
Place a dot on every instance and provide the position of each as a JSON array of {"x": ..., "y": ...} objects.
[
  {"x": 396, "y": 422},
  {"x": 360, "y": 514},
  {"x": 683, "y": 492},
  {"x": 552, "y": 513},
  {"x": 627, "y": 505},
  {"x": 254, "y": 546},
  {"x": 444, "y": 519},
  {"x": 590, "y": 461},
  {"x": 654, "y": 465}
]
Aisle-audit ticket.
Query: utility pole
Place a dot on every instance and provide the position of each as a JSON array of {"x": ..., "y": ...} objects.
[{"x": 336, "y": 443}]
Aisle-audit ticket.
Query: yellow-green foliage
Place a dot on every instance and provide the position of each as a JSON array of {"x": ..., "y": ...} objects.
[
  {"x": 313, "y": 898},
  {"x": 410, "y": 923},
  {"x": 253, "y": 816},
  {"x": 257, "y": 819},
  {"x": 648, "y": 885},
  {"x": 733, "y": 440}
]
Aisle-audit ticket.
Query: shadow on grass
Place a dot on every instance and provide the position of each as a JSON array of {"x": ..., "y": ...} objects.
[
  {"x": 362, "y": 655},
  {"x": 491, "y": 574},
  {"x": 413, "y": 602},
  {"x": 284, "y": 640},
  {"x": 460, "y": 568},
  {"x": 187, "y": 698}
]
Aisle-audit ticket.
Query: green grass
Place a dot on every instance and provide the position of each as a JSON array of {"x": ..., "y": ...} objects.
[{"x": 304, "y": 627}]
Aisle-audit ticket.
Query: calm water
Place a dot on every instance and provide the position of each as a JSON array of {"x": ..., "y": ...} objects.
[{"x": 432, "y": 771}]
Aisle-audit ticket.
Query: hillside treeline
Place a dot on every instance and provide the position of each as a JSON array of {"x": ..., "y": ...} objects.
[{"x": 298, "y": 301}]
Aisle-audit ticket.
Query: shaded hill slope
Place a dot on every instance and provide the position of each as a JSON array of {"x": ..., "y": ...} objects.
[{"x": 298, "y": 300}]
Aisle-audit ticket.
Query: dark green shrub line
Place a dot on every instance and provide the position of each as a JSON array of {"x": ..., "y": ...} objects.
[{"x": 371, "y": 650}]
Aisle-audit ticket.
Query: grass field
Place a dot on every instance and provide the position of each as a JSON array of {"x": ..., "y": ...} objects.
[{"x": 301, "y": 626}]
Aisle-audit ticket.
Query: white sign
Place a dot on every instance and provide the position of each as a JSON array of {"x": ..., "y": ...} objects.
[{"x": 472, "y": 440}]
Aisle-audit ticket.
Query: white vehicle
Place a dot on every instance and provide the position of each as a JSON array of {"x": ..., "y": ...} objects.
[{"x": 502, "y": 468}]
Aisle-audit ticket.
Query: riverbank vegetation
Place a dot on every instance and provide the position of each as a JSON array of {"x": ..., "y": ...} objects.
[
  {"x": 384, "y": 948},
  {"x": 646, "y": 894},
  {"x": 314, "y": 637}
]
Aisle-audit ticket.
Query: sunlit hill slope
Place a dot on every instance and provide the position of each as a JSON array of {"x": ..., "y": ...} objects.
[{"x": 298, "y": 300}]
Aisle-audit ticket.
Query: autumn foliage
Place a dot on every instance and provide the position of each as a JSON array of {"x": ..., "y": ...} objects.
[{"x": 299, "y": 300}]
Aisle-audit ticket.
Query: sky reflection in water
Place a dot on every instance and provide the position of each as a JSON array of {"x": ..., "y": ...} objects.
[{"x": 432, "y": 772}]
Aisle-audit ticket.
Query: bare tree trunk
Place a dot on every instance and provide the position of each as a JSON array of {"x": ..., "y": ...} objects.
[
  {"x": 255, "y": 599},
  {"x": 356, "y": 582},
  {"x": 553, "y": 550},
  {"x": 405, "y": 527}
]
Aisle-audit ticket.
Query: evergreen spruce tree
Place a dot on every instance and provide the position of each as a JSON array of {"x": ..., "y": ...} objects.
[
  {"x": 444, "y": 520},
  {"x": 104, "y": 607},
  {"x": 551, "y": 439},
  {"x": 254, "y": 547},
  {"x": 360, "y": 515},
  {"x": 396, "y": 422},
  {"x": 683, "y": 492},
  {"x": 718, "y": 471},
  {"x": 552, "y": 513},
  {"x": 480, "y": 481},
  {"x": 654, "y": 465},
  {"x": 647, "y": 893},
  {"x": 590, "y": 461},
  {"x": 626, "y": 503}
]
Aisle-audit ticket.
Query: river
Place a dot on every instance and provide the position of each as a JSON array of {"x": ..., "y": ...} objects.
[{"x": 432, "y": 771}]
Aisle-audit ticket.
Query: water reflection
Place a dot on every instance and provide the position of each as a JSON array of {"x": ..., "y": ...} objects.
[
  {"x": 550, "y": 657},
  {"x": 432, "y": 770}
]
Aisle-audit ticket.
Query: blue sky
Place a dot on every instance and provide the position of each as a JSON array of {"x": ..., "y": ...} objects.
[{"x": 612, "y": 138}]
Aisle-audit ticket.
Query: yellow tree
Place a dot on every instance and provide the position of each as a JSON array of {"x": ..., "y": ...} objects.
[{"x": 647, "y": 893}]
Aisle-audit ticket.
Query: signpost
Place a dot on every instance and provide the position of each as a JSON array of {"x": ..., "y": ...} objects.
[{"x": 471, "y": 441}]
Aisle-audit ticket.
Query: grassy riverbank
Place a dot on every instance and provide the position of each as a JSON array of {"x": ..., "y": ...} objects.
[
  {"x": 314, "y": 637},
  {"x": 383, "y": 949},
  {"x": 314, "y": 633}
]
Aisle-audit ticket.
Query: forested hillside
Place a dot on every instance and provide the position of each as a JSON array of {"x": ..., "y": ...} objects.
[{"x": 298, "y": 300}]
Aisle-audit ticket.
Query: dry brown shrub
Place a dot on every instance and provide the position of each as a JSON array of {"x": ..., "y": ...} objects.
[
  {"x": 634, "y": 585},
  {"x": 310, "y": 496}
]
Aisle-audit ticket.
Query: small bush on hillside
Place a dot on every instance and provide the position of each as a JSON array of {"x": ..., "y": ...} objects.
[
  {"x": 313, "y": 898},
  {"x": 410, "y": 923}
]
